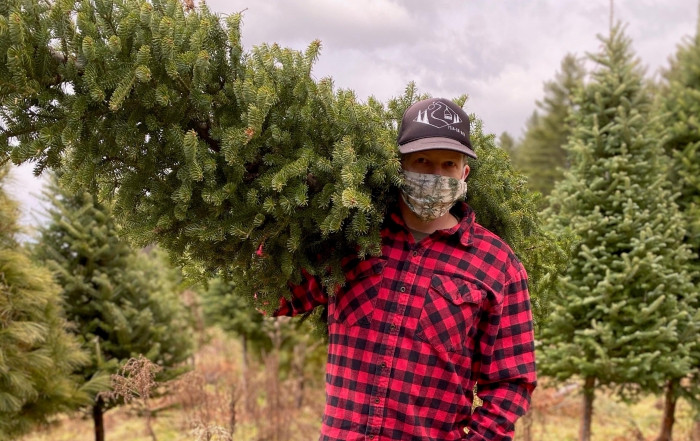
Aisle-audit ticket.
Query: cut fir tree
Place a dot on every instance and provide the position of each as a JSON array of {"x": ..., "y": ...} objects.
[
  {"x": 624, "y": 315},
  {"x": 235, "y": 162}
]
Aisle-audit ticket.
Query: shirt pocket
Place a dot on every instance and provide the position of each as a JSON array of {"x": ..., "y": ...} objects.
[
  {"x": 354, "y": 302},
  {"x": 449, "y": 313}
]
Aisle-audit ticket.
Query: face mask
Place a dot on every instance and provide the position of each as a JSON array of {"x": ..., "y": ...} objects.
[{"x": 431, "y": 196}]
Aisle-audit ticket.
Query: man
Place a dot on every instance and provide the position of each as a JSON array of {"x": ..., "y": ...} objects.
[{"x": 445, "y": 305}]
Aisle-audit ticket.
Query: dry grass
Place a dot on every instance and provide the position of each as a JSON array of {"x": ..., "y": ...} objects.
[
  {"x": 555, "y": 416},
  {"x": 221, "y": 401},
  {"x": 217, "y": 401}
]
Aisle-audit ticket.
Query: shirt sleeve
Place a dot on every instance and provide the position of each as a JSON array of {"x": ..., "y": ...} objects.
[
  {"x": 304, "y": 297},
  {"x": 507, "y": 374}
]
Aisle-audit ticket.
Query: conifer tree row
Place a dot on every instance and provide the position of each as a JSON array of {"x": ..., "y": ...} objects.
[
  {"x": 626, "y": 314},
  {"x": 38, "y": 354},
  {"x": 234, "y": 161}
]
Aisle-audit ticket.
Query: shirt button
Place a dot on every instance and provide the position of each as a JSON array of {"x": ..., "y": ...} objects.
[
  {"x": 415, "y": 253},
  {"x": 376, "y": 400},
  {"x": 371, "y": 437},
  {"x": 383, "y": 364},
  {"x": 403, "y": 289},
  {"x": 393, "y": 327}
]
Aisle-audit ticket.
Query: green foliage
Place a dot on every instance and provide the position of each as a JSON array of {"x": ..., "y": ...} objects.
[
  {"x": 507, "y": 143},
  {"x": 679, "y": 107},
  {"x": 122, "y": 304},
  {"x": 222, "y": 306},
  {"x": 38, "y": 354},
  {"x": 504, "y": 205},
  {"x": 626, "y": 313},
  {"x": 235, "y": 162},
  {"x": 541, "y": 155}
]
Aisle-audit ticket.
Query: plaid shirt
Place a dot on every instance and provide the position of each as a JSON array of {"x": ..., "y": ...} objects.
[{"x": 414, "y": 329}]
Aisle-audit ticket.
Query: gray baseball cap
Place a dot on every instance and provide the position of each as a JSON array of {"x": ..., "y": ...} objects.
[{"x": 435, "y": 123}]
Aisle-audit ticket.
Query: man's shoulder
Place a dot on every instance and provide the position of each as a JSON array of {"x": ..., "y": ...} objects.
[{"x": 487, "y": 242}]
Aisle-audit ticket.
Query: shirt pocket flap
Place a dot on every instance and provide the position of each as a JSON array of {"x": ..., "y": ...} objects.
[{"x": 456, "y": 290}]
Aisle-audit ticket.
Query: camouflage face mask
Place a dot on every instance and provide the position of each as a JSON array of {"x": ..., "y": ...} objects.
[{"x": 431, "y": 196}]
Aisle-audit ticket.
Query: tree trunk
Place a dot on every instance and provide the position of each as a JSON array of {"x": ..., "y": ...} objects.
[
  {"x": 247, "y": 400},
  {"x": 298, "y": 363},
  {"x": 669, "y": 412},
  {"x": 588, "y": 396},
  {"x": 97, "y": 417}
]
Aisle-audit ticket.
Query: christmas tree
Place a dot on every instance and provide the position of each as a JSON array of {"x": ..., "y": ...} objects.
[
  {"x": 507, "y": 143},
  {"x": 302, "y": 354},
  {"x": 541, "y": 155},
  {"x": 678, "y": 107},
  {"x": 38, "y": 354},
  {"x": 235, "y": 162},
  {"x": 624, "y": 315},
  {"x": 224, "y": 307},
  {"x": 113, "y": 296}
]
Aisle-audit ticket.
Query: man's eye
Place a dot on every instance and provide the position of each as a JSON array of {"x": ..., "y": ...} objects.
[
  {"x": 450, "y": 164},
  {"x": 421, "y": 160}
]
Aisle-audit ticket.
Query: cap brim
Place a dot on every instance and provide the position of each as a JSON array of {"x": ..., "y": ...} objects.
[{"x": 422, "y": 144}]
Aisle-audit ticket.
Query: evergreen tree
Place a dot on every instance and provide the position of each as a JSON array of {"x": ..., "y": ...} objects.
[
  {"x": 37, "y": 352},
  {"x": 626, "y": 313},
  {"x": 541, "y": 155},
  {"x": 232, "y": 161},
  {"x": 679, "y": 107},
  {"x": 507, "y": 144},
  {"x": 222, "y": 306},
  {"x": 113, "y": 296}
]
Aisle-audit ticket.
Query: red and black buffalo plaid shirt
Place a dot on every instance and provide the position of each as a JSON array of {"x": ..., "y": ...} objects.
[{"x": 413, "y": 330}]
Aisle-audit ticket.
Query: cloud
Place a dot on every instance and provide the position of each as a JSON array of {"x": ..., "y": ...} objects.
[
  {"x": 498, "y": 52},
  {"x": 361, "y": 24},
  {"x": 22, "y": 186}
]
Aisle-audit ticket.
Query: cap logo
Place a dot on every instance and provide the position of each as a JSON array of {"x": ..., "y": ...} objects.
[{"x": 439, "y": 115}]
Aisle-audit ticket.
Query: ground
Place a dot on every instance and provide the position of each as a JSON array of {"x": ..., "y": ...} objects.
[{"x": 214, "y": 399}]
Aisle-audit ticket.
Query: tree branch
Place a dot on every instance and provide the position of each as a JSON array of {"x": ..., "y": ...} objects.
[
  {"x": 202, "y": 129},
  {"x": 26, "y": 131}
]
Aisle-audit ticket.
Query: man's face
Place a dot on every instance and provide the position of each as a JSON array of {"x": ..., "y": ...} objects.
[{"x": 437, "y": 162}]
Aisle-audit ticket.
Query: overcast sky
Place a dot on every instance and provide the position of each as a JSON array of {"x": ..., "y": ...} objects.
[{"x": 499, "y": 52}]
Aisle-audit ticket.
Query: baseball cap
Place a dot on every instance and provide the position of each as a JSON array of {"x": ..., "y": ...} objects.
[{"x": 435, "y": 123}]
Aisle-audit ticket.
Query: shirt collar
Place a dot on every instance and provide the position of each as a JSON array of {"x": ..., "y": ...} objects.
[{"x": 460, "y": 210}]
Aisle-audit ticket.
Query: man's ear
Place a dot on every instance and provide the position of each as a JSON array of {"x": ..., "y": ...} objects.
[{"x": 466, "y": 171}]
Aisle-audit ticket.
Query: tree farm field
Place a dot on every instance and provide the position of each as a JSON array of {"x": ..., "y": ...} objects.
[
  {"x": 213, "y": 400},
  {"x": 216, "y": 400},
  {"x": 161, "y": 108}
]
